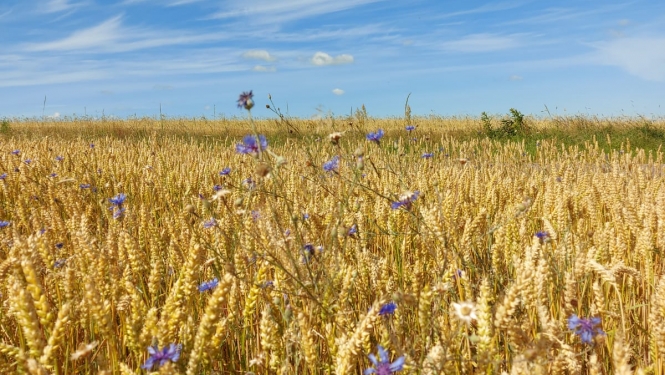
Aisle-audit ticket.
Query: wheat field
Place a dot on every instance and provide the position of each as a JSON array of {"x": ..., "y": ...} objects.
[{"x": 180, "y": 247}]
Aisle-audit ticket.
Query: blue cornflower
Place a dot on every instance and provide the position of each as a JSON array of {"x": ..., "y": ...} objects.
[
  {"x": 118, "y": 200},
  {"x": 4, "y": 224},
  {"x": 84, "y": 186},
  {"x": 59, "y": 263},
  {"x": 383, "y": 365},
  {"x": 375, "y": 137},
  {"x": 27, "y": 161},
  {"x": 250, "y": 145},
  {"x": 92, "y": 145},
  {"x": 210, "y": 223},
  {"x": 160, "y": 357},
  {"x": 217, "y": 188},
  {"x": 208, "y": 285},
  {"x": 352, "y": 231},
  {"x": 405, "y": 200},
  {"x": 410, "y": 128},
  {"x": 225, "y": 171},
  {"x": 59, "y": 158},
  {"x": 16, "y": 152},
  {"x": 332, "y": 164},
  {"x": 584, "y": 328},
  {"x": 388, "y": 309},
  {"x": 427, "y": 155},
  {"x": 3, "y": 176},
  {"x": 255, "y": 214},
  {"x": 305, "y": 216},
  {"x": 59, "y": 245},
  {"x": 52, "y": 175},
  {"x": 245, "y": 100},
  {"x": 543, "y": 236}
]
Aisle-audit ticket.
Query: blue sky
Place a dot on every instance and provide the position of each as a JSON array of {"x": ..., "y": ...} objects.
[{"x": 320, "y": 57}]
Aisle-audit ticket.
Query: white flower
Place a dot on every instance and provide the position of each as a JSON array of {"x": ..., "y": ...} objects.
[{"x": 465, "y": 311}]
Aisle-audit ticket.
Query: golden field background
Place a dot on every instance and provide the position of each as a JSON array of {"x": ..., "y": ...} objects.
[{"x": 83, "y": 292}]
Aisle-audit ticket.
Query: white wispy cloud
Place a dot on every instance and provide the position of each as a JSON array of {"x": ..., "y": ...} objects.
[
  {"x": 112, "y": 36},
  {"x": 643, "y": 57},
  {"x": 515, "y": 77},
  {"x": 262, "y": 68},
  {"x": 322, "y": 58},
  {"x": 481, "y": 43},
  {"x": 55, "y": 6},
  {"x": 486, "y": 8},
  {"x": 270, "y": 11},
  {"x": 259, "y": 54},
  {"x": 338, "y": 91}
]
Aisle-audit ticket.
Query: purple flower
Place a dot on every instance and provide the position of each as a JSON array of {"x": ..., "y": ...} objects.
[
  {"x": 388, "y": 309},
  {"x": 405, "y": 200},
  {"x": 84, "y": 186},
  {"x": 267, "y": 284},
  {"x": 27, "y": 161},
  {"x": 375, "y": 137},
  {"x": 53, "y": 175},
  {"x": 208, "y": 285},
  {"x": 305, "y": 216},
  {"x": 118, "y": 212},
  {"x": 16, "y": 152},
  {"x": 59, "y": 245},
  {"x": 4, "y": 224},
  {"x": 427, "y": 155},
  {"x": 255, "y": 214},
  {"x": 245, "y": 100},
  {"x": 332, "y": 164},
  {"x": 160, "y": 357},
  {"x": 584, "y": 328},
  {"x": 352, "y": 231},
  {"x": 217, "y": 188},
  {"x": 3, "y": 176},
  {"x": 210, "y": 223},
  {"x": 383, "y": 365},
  {"x": 118, "y": 200},
  {"x": 225, "y": 171},
  {"x": 59, "y": 263},
  {"x": 59, "y": 158},
  {"x": 250, "y": 145},
  {"x": 410, "y": 128},
  {"x": 543, "y": 236}
]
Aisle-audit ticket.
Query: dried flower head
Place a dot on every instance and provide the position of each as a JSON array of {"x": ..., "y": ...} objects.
[
  {"x": 334, "y": 137},
  {"x": 382, "y": 366},
  {"x": 465, "y": 311},
  {"x": 262, "y": 170},
  {"x": 84, "y": 350}
]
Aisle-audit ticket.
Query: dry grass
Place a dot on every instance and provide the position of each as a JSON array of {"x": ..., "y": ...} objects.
[{"x": 298, "y": 292}]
